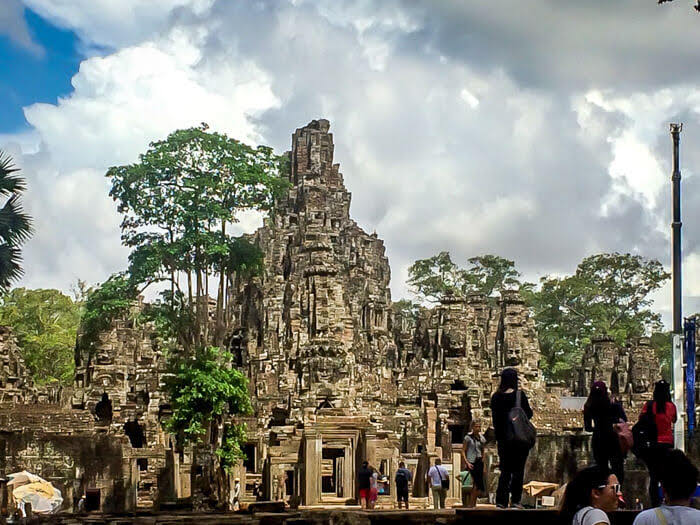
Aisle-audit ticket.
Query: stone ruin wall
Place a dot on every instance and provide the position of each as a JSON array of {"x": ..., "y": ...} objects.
[
  {"x": 333, "y": 372},
  {"x": 630, "y": 371},
  {"x": 104, "y": 434}
]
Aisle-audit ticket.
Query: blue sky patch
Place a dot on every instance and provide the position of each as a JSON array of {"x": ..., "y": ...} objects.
[{"x": 27, "y": 78}]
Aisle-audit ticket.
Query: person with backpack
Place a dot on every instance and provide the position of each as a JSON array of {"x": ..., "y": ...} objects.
[
  {"x": 599, "y": 416},
  {"x": 402, "y": 478},
  {"x": 511, "y": 412},
  {"x": 439, "y": 480},
  {"x": 679, "y": 480},
  {"x": 664, "y": 416},
  {"x": 467, "y": 482},
  {"x": 589, "y": 497}
]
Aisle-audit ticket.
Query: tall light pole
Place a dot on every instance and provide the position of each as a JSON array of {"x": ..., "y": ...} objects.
[
  {"x": 677, "y": 350},
  {"x": 676, "y": 231}
]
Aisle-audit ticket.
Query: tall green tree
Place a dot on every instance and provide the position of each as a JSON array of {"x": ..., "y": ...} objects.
[
  {"x": 609, "y": 295},
  {"x": 180, "y": 201},
  {"x": 490, "y": 273},
  {"x": 45, "y": 323},
  {"x": 436, "y": 276},
  {"x": 15, "y": 225}
]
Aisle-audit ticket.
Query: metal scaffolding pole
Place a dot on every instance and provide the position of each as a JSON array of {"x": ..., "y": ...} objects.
[
  {"x": 676, "y": 231},
  {"x": 677, "y": 350}
]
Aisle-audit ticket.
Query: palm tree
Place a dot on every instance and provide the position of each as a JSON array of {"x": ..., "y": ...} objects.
[{"x": 15, "y": 225}]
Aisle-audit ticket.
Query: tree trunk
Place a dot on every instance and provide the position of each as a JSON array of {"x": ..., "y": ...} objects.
[{"x": 220, "y": 330}]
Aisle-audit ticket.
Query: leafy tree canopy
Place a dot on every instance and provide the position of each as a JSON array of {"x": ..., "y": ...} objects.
[
  {"x": 109, "y": 301},
  {"x": 436, "y": 276},
  {"x": 45, "y": 323},
  {"x": 406, "y": 308},
  {"x": 202, "y": 387},
  {"x": 607, "y": 296},
  {"x": 178, "y": 203}
]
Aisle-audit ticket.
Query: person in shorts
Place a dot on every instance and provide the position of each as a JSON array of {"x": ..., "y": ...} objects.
[
  {"x": 363, "y": 483},
  {"x": 402, "y": 478},
  {"x": 472, "y": 457}
]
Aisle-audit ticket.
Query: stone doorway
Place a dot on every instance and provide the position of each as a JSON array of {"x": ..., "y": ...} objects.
[
  {"x": 92, "y": 499},
  {"x": 332, "y": 472}
]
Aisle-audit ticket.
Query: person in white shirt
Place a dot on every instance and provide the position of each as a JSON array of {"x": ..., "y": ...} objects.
[
  {"x": 436, "y": 475},
  {"x": 235, "y": 502},
  {"x": 679, "y": 479},
  {"x": 592, "y": 493}
]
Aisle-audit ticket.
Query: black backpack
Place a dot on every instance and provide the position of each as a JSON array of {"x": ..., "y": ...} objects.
[
  {"x": 519, "y": 431},
  {"x": 645, "y": 432}
]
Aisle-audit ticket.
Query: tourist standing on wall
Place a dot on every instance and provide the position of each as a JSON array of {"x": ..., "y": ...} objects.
[
  {"x": 665, "y": 415},
  {"x": 592, "y": 493},
  {"x": 511, "y": 458},
  {"x": 439, "y": 480},
  {"x": 402, "y": 478},
  {"x": 599, "y": 416},
  {"x": 472, "y": 456},
  {"x": 363, "y": 483},
  {"x": 679, "y": 480}
]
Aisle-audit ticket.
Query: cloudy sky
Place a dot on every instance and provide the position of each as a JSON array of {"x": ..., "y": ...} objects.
[{"x": 536, "y": 130}]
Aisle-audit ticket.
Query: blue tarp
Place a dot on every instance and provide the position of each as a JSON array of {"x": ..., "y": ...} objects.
[{"x": 689, "y": 329}]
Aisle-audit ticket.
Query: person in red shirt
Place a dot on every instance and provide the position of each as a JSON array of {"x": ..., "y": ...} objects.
[{"x": 665, "y": 415}]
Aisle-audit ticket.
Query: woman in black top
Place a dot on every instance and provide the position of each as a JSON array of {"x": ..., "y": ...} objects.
[
  {"x": 599, "y": 416},
  {"x": 511, "y": 458}
]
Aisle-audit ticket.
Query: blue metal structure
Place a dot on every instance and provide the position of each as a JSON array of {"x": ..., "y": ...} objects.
[{"x": 689, "y": 352}]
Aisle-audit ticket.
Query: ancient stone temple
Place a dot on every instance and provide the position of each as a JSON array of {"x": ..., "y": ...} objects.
[
  {"x": 336, "y": 376},
  {"x": 334, "y": 381},
  {"x": 314, "y": 333},
  {"x": 629, "y": 371}
]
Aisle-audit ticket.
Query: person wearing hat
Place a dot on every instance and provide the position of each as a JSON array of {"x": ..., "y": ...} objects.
[{"x": 236, "y": 495}]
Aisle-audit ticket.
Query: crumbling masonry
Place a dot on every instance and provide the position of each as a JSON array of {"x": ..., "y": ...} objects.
[{"x": 335, "y": 376}]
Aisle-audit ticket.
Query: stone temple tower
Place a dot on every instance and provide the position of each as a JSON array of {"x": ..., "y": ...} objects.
[
  {"x": 313, "y": 333},
  {"x": 317, "y": 322}
]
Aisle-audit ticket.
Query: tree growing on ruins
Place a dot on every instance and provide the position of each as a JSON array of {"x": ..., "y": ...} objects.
[
  {"x": 104, "y": 303},
  {"x": 179, "y": 203},
  {"x": 491, "y": 273},
  {"x": 201, "y": 389},
  {"x": 15, "y": 225},
  {"x": 607, "y": 296},
  {"x": 436, "y": 276},
  {"x": 45, "y": 323}
]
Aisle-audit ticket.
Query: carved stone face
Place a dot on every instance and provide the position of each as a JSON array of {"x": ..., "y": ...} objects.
[
  {"x": 103, "y": 358},
  {"x": 513, "y": 355}
]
